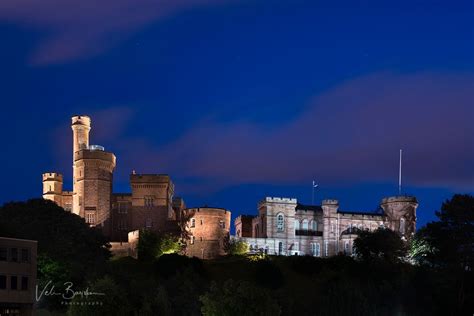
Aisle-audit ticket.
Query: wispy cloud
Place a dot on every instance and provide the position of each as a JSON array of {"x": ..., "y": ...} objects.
[
  {"x": 349, "y": 134},
  {"x": 81, "y": 29}
]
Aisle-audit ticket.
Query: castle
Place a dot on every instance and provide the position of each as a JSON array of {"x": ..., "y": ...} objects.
[
  {"x": 151, "y": 204},
  {"x": 285, "y": 227},
  {"x": 282, "y": 227}
]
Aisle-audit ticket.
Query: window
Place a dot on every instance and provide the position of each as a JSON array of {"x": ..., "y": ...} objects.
[
  {"x": 201, "y": 221},
  {"x": 221, "y": 224},
  {"x": 280, "y": 222},
  {"x": 90, "y": 218},
  {"x": 24, "y": 283},
  {"x": 305, "y": 224},
  {"x": 297, "y": 224},
  {"x": 193, "y": 222},
  {"x": 68, "y": 207},
  {"x": 402, "y": 226},
  {"x": 326, "y": 248},
  {"x": 122, "y": 208},
  {"x": 3, "y": 282},
  {"x": 333, "y": 228},
  {"x": 346, "y": 247},
  {"x": 13, "y": 282},
  {"x": 14, "y": 255},
  {"x": 25, "y": 255},
  {"x": 317, "y": 250},
  {"x": 280, "y": 248},
  {"x": 148, "y": 201},
  {"x": 314, "y": 225},
  {"x": 3, "y": 254},
  {"x": 192, "y": 240}
]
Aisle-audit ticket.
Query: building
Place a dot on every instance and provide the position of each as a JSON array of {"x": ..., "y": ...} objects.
[
  {"x": 151, "y": 204},
  {"x": 17, "y": 276},
  {"x": 208, "y": 229},
  {"x": 285, "y": 227}
]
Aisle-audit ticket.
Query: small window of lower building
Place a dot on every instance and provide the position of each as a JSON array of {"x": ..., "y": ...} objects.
[
  {"x": 13, "y": 282},
  {"x": 3, "y": 282},
  {"x": 24, "y": 283},
  {"x": 3, "y": 254},
  {"x": 14, "y": 254},
  {"x": 25, "y": 255}
]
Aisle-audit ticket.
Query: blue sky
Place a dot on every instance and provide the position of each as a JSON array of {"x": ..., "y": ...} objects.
[{"x": 238, "y": 100}]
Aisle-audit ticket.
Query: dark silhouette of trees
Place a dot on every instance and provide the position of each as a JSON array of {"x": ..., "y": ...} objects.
[{"x": 381, "y": 244}]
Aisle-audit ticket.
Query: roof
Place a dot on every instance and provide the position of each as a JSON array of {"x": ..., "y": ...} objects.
[
  {"x": 377, "y": 212},
  {"x": 314, "y": 208}
]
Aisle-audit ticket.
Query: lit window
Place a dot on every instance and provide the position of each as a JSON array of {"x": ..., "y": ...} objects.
[
  {"x": 314, "y": 225},
  {"x": 280, "y": 248},
  {"x": 346, "y": 247},
  {"x": 317, "y": 251},
  {"x": 90, "y": 218},
  {"x": 280, "y": 222},
  {"x": 149, "y": 201},
  {"x": 326, "y": 248},
  {"x": 193, "y": 222},
  {"x": 305, "y": 224},
  {"x": 221, "y": 224},
  {"x": 192, "y": 240},
  {"x": 402, "y": 226},
  {"x": 297, "y": 224}
]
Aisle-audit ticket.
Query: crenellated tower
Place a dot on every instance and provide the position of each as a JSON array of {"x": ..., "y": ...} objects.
[
  {"x": 92, "y": 176},
  {"x": 53, "y": 187}
]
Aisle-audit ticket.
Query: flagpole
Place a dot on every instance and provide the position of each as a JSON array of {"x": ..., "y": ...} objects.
[
  {"x": 312, "y": 194},
  {"x": 400, "y": 175}
]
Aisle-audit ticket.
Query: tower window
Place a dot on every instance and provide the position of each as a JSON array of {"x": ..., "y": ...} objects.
[
  {"x": 149, "y": 201},
  {"x": 193, "y": 222},
  {"x": 280, "y": 222},
  {"x": 221, "y": 224},
  {"x": 305, "y": 224},
  {"x": 90, "y": 218},
  {"x": 402, "y": 226}
]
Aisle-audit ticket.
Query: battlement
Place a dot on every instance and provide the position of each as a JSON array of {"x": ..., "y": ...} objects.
[
  {"x": 94, "y": 154},
  {"x": 81, "y": 120},
  {"x": 279, "y": 200},
  {"x": 149, "y": 178},
  {"x": 330, "y": 202},
  {"x": 399, "y": 198},
  {"x": 52, "y": 176}
]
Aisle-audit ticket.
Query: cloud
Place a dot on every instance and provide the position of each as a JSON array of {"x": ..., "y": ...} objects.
[
  {"x": 350, "y": 134},
  {"x": 86, "y": 28}
]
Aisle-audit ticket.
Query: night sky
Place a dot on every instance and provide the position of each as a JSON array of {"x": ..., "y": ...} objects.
[{"x": 238, "y": 100}]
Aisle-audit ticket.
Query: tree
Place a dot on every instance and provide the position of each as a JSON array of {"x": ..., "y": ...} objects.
[
  {"x": 68, "y": 249},
  {"x": 237, "y": 247},
  {"x": 108, "y": 299},
  {"x": 238, "y": 298},
  {"x": 382, "y": 244},
  {"x": 452, "y": 237},
  {"x": 152, "y": 245}
]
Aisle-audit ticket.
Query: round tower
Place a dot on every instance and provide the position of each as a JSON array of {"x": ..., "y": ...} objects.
[
  {"x": 401, "y": 214},
  {"x": 81, "y": 126},
  {"x": 53, "y": 187}
]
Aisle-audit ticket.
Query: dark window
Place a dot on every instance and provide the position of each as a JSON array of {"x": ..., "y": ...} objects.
[
  {"x": 3, "y": 254},
  {"x": 24, "y": 283},
  {"x": 14, "y": 254},
  {"x": 3, "y": 282},
  {"x": 13, "y": 282},
  {"x": 25, "y": 255}
]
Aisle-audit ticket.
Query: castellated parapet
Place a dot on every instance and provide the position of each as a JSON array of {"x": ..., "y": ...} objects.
[{"x": 53, "y": 187}]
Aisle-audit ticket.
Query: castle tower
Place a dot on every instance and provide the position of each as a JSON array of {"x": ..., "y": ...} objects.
[
  {"x": 53, "y": 187},
  {"x": 401, "y": 214},
  {"x": 331, "y": 227},
  {"x": 92, "y": 176}
]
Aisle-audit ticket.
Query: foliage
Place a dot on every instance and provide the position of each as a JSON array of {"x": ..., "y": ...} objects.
[
  {"x": 419, "y": 250},
  {"x": 113, "y": 301},
  {"x": 68, "y": 249},
  {"x": 257, "y": 257},
  {"x": 156, "y": 304},
  {"x": 238, "y": 298},
  {"x": 268, "y": 274},
  {"x": 237, "y": 248},
  {"x": 382, "y": 243},
  {"x": 452, "y": 237},
  {"x": 152, "y": 245}
]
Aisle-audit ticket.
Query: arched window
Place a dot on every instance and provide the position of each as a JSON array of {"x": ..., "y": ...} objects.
[
  {"x": 305, "y": 224},
  {"x": 297, "y": 224},
  {"x": 346, "y": 248},
  {"x": 280, "y": 222},
  {"x": 402, "y": 226},
  {"x": 316, "y": 249},
  {"x": 280, "y": 248},
  {"x": 314, "y": 225}
]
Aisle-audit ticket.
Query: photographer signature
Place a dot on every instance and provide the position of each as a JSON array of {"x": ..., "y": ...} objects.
[{"x": 68, "y": 294}]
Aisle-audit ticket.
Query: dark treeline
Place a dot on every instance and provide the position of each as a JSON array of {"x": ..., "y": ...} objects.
[{"x": 430, "y": 275}]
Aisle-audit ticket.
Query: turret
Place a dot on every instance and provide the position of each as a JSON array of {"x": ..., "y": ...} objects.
[
  {"x": 401, "y": 214},
  {"x": 81, "y": 126},
  {"x": 53, "y": 187}
]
